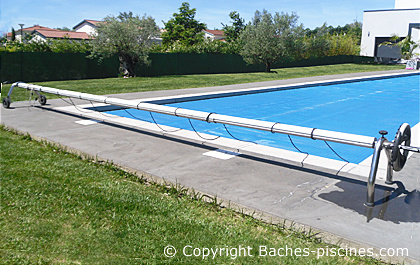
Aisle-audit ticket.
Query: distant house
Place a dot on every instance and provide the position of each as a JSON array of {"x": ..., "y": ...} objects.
[
  {"x": 88, "y": 26},
  {"x": 24, "y": 31},
  {"x": 85, "y": 30},
  {"x": 41, "y": 33},
  {"x": 214, "y": 34},
  {"x": 380, "y": 25}
]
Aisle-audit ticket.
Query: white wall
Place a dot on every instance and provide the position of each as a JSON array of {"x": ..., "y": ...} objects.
[
  {"x": 208, "y": 35},
  {"x": 407, "y": 4},
  {"x": 38, "y": 38},
  {"x": 35, "y": 38},
  {"x": 18, "y": 37},
  {"x": 386, "y": 24},
  {"x": 86, "y": 28}
]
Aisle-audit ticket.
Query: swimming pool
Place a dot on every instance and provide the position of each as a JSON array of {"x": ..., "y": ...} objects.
[{"x": 362, "y": 108}]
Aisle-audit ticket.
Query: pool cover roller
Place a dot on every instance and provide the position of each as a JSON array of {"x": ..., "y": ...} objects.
[{"x": 396, "y": 151}]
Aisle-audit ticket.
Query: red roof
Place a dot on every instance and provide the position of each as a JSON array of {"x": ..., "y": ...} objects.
[
  {"x": 94, "y": 22},
  {"x": 35, "y": 27},
  {"x": 58, "y": 34},
  {"x": 215, "y": 32},
  {"x": 90, "y": 21},
  {"x": 54, "y": 33}
]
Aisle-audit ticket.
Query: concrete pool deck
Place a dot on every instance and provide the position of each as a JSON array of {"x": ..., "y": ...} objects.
[{"x": 311, "y": 196}]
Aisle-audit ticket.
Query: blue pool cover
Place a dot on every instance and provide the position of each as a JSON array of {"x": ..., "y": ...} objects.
[{"x": 361, "y": 108}]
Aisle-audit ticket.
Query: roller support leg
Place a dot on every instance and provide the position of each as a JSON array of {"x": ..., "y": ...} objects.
[
  {"x": 6, "y": 101},
  {"x": 389, "y": 169},
  {"x": 370, "y": 199}
]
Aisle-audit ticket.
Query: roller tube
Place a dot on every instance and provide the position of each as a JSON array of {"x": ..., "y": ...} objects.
[{"x": 313, "y": 133}]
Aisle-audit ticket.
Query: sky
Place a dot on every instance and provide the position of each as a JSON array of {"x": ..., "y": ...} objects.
[{"x": 68, "y": 13}]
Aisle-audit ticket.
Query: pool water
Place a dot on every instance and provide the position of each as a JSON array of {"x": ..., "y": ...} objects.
[{"x": 363, "y": 108}]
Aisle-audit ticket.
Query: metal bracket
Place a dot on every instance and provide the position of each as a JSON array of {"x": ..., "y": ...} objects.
[{"x": 11, "y": 89}]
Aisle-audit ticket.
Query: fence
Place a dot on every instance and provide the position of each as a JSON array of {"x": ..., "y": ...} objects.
[
  {"x": 46, "y": 66},
  {"x": 194, "y": 63},
  {"x": 41, "y": 66},
  {"x": 187, "y": 63}
]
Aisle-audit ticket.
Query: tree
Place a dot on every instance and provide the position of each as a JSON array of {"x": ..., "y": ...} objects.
[
  {"x": 238, "y": 25},
  {"x": 69, "y": 46},
  {"x": 65, "y": 29},
  {"x": 354, "y": 29},
  {"x": 183, "y": 27},
  {"x": 407, "y": 46},
  {"x": 128, "y": 36},
  {"x": 50, "y": 45},
  {"x": 268, "y": 39},
  {"x": 3, "y": 38},
  {"x": 13, "y": 38}
]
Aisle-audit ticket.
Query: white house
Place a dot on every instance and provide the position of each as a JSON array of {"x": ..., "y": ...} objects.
[
  {"x": 380, "y": 25},
  {"x": 89, "y": 26},
  {"x": 40, "y": 33},
  {"x": 43, "y": 35},
  {"x": 214, "y": 34}
]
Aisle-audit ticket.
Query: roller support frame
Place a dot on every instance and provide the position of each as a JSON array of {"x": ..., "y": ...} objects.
[{"x": 41, "y": 98}]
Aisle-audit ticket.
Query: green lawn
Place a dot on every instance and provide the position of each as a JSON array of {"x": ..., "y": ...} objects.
[
  {"x": 57, "y": 208},
  {"x": 126, "y": 85}
]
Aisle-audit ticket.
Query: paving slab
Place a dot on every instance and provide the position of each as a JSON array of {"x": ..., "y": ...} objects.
[{"x": 313, "y": 196}]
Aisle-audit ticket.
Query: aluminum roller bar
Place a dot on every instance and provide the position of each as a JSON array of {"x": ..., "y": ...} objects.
[
  {"x": 274, "y": 127},
  {"x": 313, "y": 133}
]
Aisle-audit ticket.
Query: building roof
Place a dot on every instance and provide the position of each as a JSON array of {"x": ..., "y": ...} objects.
[
  {"x": 59, "y": 34},
  {"x": 35, "y": 27},
  {"x": 53, "y": 33},
  {"x": 390, "y": 10},
  {"x": 94, "y": 23},
  {"x": 215, "y": 32},
  {"x": 30, "y": 29}
]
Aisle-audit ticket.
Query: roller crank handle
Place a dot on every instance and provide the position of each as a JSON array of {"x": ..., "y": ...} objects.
[
  {"x": 390, "y": 145},
  {"x": 410, "y": 148}
]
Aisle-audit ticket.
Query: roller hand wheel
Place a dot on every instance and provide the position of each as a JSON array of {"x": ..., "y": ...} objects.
[{"x": 403, "y": 137}]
